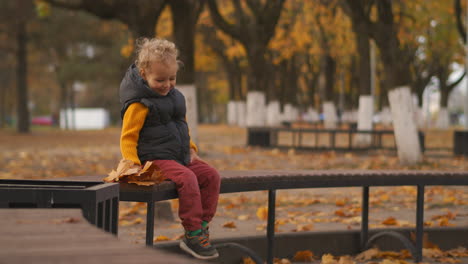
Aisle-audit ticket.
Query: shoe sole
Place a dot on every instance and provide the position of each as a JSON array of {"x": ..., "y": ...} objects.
[{"x": 185, "y": 248}]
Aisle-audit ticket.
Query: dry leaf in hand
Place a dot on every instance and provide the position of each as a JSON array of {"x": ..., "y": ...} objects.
[{"x": 127, "y": 171}]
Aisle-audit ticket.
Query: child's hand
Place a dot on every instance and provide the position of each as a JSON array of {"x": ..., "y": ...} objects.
[{"x": 194, "y": 156}]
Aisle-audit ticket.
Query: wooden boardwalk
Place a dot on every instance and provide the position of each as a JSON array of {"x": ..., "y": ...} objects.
[{"x": 64, "y": 236}]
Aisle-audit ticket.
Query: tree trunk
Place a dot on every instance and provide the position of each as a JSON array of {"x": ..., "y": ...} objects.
[
  {"x": 257, "y": 64},
  {"x": 363, "y": 49},
  {"x": 21, "y": 78},
  {"x": 2, "y": 107},
  {"x": 184, "y": 19},
  {"x": 64, "y": 105},
  {"x": 330, "y": 70}
]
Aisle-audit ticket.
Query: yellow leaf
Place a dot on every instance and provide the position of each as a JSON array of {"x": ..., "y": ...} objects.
[
  {"x": 247, "y": 260},
  {"x": 328, "y": 259},
  {"x": 262, "y": 213},
  {"x": 243, "y": 217},
  {"x": 281, "y": 261},
  {"x": 304, "y": 256},
  {"x": 161, "y": 238},
  {"x": 367, "y": 255},
  {"x": 346, "y": 260}
]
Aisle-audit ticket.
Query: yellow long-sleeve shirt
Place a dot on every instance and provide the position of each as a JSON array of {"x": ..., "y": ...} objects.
[{"x": 133, "y": 121}]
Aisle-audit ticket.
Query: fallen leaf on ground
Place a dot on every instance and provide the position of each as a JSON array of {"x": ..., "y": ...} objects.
[
  {"x": 307, "y": 227},
  {"x": 281, "y": 261},
  {"x": 458, "y": 252},
  {"x": 432, "y": 253},
  {"x": 368, "y": 254},
  {"x": 262, "y": 213},
  {"x": 304, "y": 256},
  {"x": 247, "y": 260},
  {"x": 346, "y": 260},
  {"x": 328, "y": 259},
  {"x": 161, "y": 238},
  {"x": 243, "y": 217},
  {"x": 230, "y": 224},
  {"x": 448, "y": 260},
  {"x": 390, "y": 221}
]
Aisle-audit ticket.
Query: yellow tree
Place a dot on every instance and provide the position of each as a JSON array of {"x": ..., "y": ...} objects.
[
  {"x": 229, "y": 51},
  {"x": 253, "y": 25},
  {"x": 312, "y": 40}
]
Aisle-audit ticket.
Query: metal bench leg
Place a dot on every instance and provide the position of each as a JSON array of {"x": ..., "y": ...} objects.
[
  {"x": 271, "y": 225},
  {"x": 365, "y": 217},
  {"x": 149, "y": 223},
  {"x": 419, "y": 223}
]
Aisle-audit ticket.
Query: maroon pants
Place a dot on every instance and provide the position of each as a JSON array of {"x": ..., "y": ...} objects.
[{"x": 198, "y": 189}]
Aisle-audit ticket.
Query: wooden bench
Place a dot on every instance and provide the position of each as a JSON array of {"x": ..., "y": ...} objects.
[
  {"x": 243, "y": 181},
  {"x": 64, "y": 236},
  {"x": 269, "y": 137}
]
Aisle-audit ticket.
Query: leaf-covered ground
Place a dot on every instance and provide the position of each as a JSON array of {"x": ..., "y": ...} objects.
[{"x": 55, "y": 154}]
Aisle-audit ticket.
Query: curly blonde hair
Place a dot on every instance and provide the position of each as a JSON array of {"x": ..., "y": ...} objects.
[{"x": 155, "y": 49}]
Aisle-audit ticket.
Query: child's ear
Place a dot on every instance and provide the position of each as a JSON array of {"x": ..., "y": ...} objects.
[{"x": 142, "y": 73}]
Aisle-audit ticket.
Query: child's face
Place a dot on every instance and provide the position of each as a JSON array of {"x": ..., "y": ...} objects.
[{"x": 161, "y": 77}]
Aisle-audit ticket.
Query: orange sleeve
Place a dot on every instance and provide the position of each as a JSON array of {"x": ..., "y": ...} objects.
[
  {"x": 192, "y": 144},
  {"x": 133, "y": 121}
]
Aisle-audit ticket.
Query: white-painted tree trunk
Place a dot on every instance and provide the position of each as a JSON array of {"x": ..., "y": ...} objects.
[
  {"x": 443, "y": 118},
  {"x": 349, "y": 116},
  {"x": 256, "y": 112},
  {"x": 365, "y": 114},
  {"x": 386, "y": 116},
  {"x": 232, "y": 113},
  {"x": 406, "y": 133},
  {"x": 273, "y": 114},
  {"x": 330, "y": 116},
  {"x": 190, "y": 94},
  {"x": 290, "y": 113},
  {"x": 311, "y": 115},
  {"x": 241, "y": 114}
]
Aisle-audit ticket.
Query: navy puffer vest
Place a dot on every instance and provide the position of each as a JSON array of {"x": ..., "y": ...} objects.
[{"x": 164, "y": 135}]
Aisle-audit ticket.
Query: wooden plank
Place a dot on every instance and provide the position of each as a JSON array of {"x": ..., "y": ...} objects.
[{"x": 64, "y": 236}]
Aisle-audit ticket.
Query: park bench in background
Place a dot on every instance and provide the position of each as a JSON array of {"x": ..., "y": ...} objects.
[
  {"x": 99, "y": 201},
  {"x": 63, "y": 236},
  {"x": 332, "y": 139},
  {"x": 243, "y": 181}
]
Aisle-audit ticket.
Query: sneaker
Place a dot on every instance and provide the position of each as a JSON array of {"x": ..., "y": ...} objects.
[
  {"x": 198, "y": 246},
  {"x": 206, "y": 231}
]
